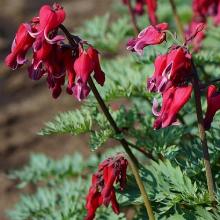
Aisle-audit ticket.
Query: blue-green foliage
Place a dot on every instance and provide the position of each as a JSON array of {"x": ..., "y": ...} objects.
[{"x": 175, "y": 180}]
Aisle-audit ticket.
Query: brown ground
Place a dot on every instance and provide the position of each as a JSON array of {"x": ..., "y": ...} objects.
[{"x": 26, "y": 105}]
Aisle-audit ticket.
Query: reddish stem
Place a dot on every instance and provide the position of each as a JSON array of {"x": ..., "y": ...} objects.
[
  {"x": 133, "y": 18},
  {"x": 202, "y": 134}
]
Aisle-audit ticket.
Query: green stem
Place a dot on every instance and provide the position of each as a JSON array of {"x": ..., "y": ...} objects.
[
  {"x": 132, "y": 159},
  {"x": 177, "y": 20},
  {"x": 202, "y": 134}
]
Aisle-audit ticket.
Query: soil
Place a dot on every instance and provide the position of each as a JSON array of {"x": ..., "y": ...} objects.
[{"x": 26, "y": 105}]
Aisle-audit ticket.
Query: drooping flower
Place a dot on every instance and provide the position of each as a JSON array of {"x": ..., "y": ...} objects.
[
  {"x": 84, "y": 66},
  {"x": 102, "y": 191},
  {"x": 171, "y": 77},
  {"x": 54, "y": 59},
  {"x": 56, "y": 70},
  {"x": 36, "y": 69},
  {"x": 213, "y": 105},
  {"x": 98, "y": 73},
  {"x": 69, "y": 59},
  {"x": 21, "y": 44},
  {"x": 173, "y": 68},
  {"x": 159, "y": 79},
  {"x": 179, "y": 65},
  {"x": 49, "y": 20},
  {"x": 196, "y": 34},
  {"x": 201, "y": 7},
  {"x": 174, "y": 99},
  {"x": 151, "y": 35}
]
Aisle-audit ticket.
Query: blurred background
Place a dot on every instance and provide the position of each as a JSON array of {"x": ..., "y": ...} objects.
[{"x": 26, "y": 105}]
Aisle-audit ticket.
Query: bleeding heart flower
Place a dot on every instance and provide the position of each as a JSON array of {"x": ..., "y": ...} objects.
[
  {"x": 196, "y": 34},
  {"x": 201, "y": 7},
  {"x": 173, "y": 100},
  {"x": 98, "y": 73},
  {"x": 36, "y": 70},
  {"x": 159, "y": 79},
  {"x": 49, "y": 21},
  {"x": 53, "y": 61},
  {"x": 102, "y": 191},
  {"x": 173, "y": 68},
  {"x": 213, "y": 105},
  {"x": 85, "y": 64},
  {"x": 21, "y": 44},
  {"x": 52, "y": 58},
  {"x": 151, "y": 35},
  {"x": 179, "y": 65}
]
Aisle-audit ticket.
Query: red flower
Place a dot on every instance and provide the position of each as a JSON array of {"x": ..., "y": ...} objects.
[
  {"x": 69, "y": 59},
  {"x": 201, "y": 7},
  {"x": 173, "y": 100},
  {"x": 213, "y": 105},
  {"x": 36, "y": 70},
  {"x": 201, "y": 10},
  {"x": 94, "y": 199},
  {"x": 159, "y": 79},
  {"x": 178, "y": 65},
  {"x": 53, "y": 61},
  {"x": 85, "y": 64},
  {"x": 151, "y": 35},
  {"x": 196, "y": 34},
  {"x": 49, "y": 21},
  {"x": 204, "y": 8},
  {"x": 21, "y": 44},
  {"x": 173, "y": 68},
  {"x": 52, "y": 58},
  {"x": 171, "y": 75},
  {"x": 152, "y": 7},
  {"x": 99, "y": 74},
  {"x": 102, "y": 191}
]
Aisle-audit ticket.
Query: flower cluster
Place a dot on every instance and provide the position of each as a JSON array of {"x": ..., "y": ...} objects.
[
  {"x": 172, "y": 76},
  {"x": 102, "y": 191},
  {"x": 173, "y": 71},
  {"x": 202, "y": 9},
  {"x": 151, "y": 8},
  {"x": 52, "y": 57}
]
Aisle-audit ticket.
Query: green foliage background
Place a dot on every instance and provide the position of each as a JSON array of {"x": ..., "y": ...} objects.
[{"x": 176, "y": 184}]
